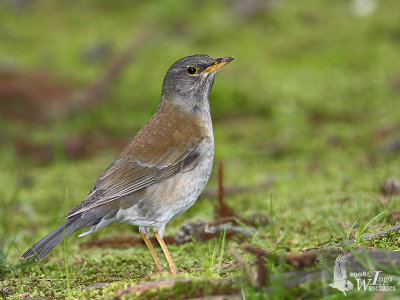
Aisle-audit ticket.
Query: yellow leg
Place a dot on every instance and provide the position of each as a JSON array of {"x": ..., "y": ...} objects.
[
  {"x": 153, "y": 253},
  {"x": 172, "y": 269}
]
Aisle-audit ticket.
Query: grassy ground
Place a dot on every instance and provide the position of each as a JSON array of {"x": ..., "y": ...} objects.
[{"x": 311, "y": 103}]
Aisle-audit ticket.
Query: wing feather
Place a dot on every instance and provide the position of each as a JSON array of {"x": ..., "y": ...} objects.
[
  {"x": 125, "y": 177},
  {"x": 340, "y": 271}
]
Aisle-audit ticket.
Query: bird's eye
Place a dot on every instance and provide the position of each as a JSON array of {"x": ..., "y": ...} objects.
[{"x": 191, "y": 70}]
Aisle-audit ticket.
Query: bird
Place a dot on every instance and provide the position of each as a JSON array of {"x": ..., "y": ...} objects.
[
  {"x": 340, "y": 280},
  {"x": 163, "y": 169}
]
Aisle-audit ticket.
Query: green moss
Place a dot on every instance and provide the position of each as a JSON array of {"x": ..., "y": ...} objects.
[{"x": 389, "y": 241}]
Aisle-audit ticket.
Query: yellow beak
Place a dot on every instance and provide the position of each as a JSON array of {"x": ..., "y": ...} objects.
[{"x": 219, "y": 63}]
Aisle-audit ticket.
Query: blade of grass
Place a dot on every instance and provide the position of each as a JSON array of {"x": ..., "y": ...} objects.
[
  {"x": 283, "y": 239},
  {"x": 254, "y": 234},
  {"x": 361, "y": 232},
  {"x": 351, "y": 229},
  {"x": 222, "y": 250},
  {"x": 212, "y": 254},
  {"x": 10, "y": 245},
  {"x": 65, "y": 252},
  {"x": 333, "y": 227},
  {"x": 360, "y": 214},
  {"x": 271, "y": 219}
]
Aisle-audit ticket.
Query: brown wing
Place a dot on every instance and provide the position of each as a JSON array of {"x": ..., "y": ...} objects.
[{"x": 154, "y": 155}]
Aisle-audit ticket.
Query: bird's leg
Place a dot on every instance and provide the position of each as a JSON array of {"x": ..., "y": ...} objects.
[
  {"x": 172, "y": 269},
  {"x": 153, "y": 253}
]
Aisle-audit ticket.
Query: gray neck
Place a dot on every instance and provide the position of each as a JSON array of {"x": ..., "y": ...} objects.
[{"x": 193, "y": 100}]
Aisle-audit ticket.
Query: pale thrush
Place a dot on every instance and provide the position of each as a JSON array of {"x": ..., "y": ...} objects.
[{"x": 162, "y": 171}]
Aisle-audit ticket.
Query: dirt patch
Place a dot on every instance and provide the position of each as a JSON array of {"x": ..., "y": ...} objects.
[{"x": 31, "y": 95}]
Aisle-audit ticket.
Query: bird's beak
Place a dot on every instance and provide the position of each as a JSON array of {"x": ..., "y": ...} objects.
[{"x": 219, "y": 63}]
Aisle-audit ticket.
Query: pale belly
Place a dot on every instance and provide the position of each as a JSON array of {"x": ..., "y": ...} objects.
[
  {"x": 172, "y": 197},
  {"x": 178, "y": 194}
]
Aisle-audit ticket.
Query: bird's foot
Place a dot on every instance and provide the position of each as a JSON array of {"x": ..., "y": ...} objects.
[{"x": 171, "y": 273}]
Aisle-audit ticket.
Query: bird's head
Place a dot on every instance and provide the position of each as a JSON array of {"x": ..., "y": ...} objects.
[{"x": 188, "y": 81}]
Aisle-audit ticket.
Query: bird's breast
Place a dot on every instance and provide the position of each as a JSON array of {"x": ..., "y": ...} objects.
[{"x": 175, "y": 195}]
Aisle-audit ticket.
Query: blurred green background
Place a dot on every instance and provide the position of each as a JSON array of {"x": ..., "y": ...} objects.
[{"x": 311, "y": 104}]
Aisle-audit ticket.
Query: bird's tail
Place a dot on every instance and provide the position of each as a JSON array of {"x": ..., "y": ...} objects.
[{"x": 42, "y": 248}]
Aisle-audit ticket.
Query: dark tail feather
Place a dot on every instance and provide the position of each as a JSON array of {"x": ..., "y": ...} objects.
[{"x": 46, "y": 244}]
